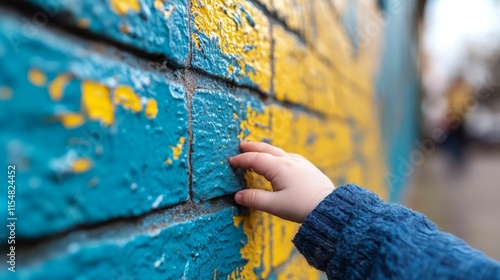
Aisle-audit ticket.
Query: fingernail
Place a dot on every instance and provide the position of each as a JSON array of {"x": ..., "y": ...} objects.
[{"x": 238, "y": 197}]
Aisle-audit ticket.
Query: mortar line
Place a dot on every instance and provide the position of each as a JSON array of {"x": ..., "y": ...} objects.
[
  {"x": 130, "y": 226},
  {"x": 189, "y": 95},
  {"x": 273, "y": 16}
]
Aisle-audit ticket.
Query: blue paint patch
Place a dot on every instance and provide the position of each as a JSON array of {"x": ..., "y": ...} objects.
[
  {"x": 186, "y": 250},
  {"x": 217, "y": 115},
  {"x": 210, "y": 59},
  {"x": 128, "y": 176},
  {"x": 151, "y": 30},
  {"x": 215, "y": 139}
]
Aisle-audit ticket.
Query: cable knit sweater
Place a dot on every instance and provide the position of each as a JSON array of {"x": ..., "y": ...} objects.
[{"x": 352, "y": 234}]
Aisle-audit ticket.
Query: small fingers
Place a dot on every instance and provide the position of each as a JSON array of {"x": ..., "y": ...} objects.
[
  {"x": 258, "y": 199},
  {"x": 262, "y": 147},
  {"x": 262, "y": 163}
]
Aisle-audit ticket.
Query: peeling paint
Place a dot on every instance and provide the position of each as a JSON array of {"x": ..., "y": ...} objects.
[
  {"x": 37, "y": 77},
  {"x": 71, "y": 120},
  {"x": 109, "y": 130},
  {"x": 223, "y": 51},
  {"x": 151, "y": 108},
  {"x": 177, "y": 150},
  {"x": 56, "y": 87},
  {"x": 81, "y": 165},
  {"x": 122, "y": 7},
  {"x": 97, "y": 102},
  {"x": 127, "y": 98}
]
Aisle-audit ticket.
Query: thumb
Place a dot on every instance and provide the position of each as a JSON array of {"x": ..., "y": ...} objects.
[{"x": 259, "y": 199}]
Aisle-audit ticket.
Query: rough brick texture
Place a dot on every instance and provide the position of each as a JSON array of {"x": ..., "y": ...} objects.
[{"x": 120, "y": 116}]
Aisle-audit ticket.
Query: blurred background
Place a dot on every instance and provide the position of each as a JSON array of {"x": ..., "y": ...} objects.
[{"x": 454, "y": 169}]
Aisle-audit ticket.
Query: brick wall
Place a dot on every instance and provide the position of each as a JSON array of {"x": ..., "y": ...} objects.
[{"x": 120, "y": 116}]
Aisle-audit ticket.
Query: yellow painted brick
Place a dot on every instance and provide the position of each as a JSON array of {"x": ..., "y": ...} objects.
[
  {"x": 237, "y": 24},
  {"x": 296, "y": 14},
  {"x": 300, "y": 75},
  {"x": 330, "y": 38}
]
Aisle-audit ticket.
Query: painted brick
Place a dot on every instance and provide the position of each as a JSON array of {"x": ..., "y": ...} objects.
[
  {"x": 88, "y": 133},
  {"x": 191, "y": 249},
  {"x": 215, "y": 141},
  {"x": 153, "y": 26},
  {"x": 297, "y": 15},
  {"x": 232, "y": 39},
  {"x": 80, "y": 121},
  {"x": 304, "y": 79}
]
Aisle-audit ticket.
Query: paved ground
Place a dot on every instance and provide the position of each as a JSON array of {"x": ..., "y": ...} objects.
[{"x": 464, "y": 202}]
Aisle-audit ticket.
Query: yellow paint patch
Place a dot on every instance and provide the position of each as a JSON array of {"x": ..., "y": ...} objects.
[
  {"x": 5, "y": 93},
  {"x": 151, "y": 108},
  {"x": 56, "y": 87},
  {"x": 71, "y": 120},
  {"x": 37, "y": 77},
  {"x": 256, "y": 125},
  {"x": 127, "y": 98},
  {"x": 122, "y": 7},
  {"x": 242, "y": 31},
  {"x": 302, "y": 77},
  {"x": 177, "y": 150},
  {"x": 96, "y": 102},
  {"x": 168, "y": 161},
  {"x": 81, "y": 165}
]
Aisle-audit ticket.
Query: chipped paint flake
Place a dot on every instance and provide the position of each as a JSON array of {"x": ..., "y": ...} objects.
[
  {"x": 127, "y": 98},
  {"x": 71, "y": 120},
  {"x": 56, "y": 87},
  {"x": 122, "y": 7},
  {"x": 158, "y": 262},
  {"x": 81, "y": 165},
  {"x": 151, "y": 108},
  {"x": 177, "y": 150},
  {"x": 157, "y": 202},
  {"x": 37, "y": 77},
  {"x": 97, "y": 102}
]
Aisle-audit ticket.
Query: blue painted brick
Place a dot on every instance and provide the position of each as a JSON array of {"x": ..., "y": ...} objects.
[
  {"x": 191, "y": 249},
  {"x": 216, "y": 118},
  {"x": 158, "y": 27},
  {"x": 129, "y": 174}
]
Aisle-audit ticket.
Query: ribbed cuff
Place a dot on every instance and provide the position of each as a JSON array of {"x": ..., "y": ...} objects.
[{"x": 326, "y": 237}]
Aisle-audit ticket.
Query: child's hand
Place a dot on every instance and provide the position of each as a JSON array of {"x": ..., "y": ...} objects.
[{"x": 298, "y": 186}]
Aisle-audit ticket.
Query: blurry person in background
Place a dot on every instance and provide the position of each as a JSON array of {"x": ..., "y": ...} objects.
[{"x": 460, "y": 44}]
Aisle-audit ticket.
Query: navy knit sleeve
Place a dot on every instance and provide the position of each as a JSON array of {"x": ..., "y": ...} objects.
[{"x": 352, "y": 234}]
